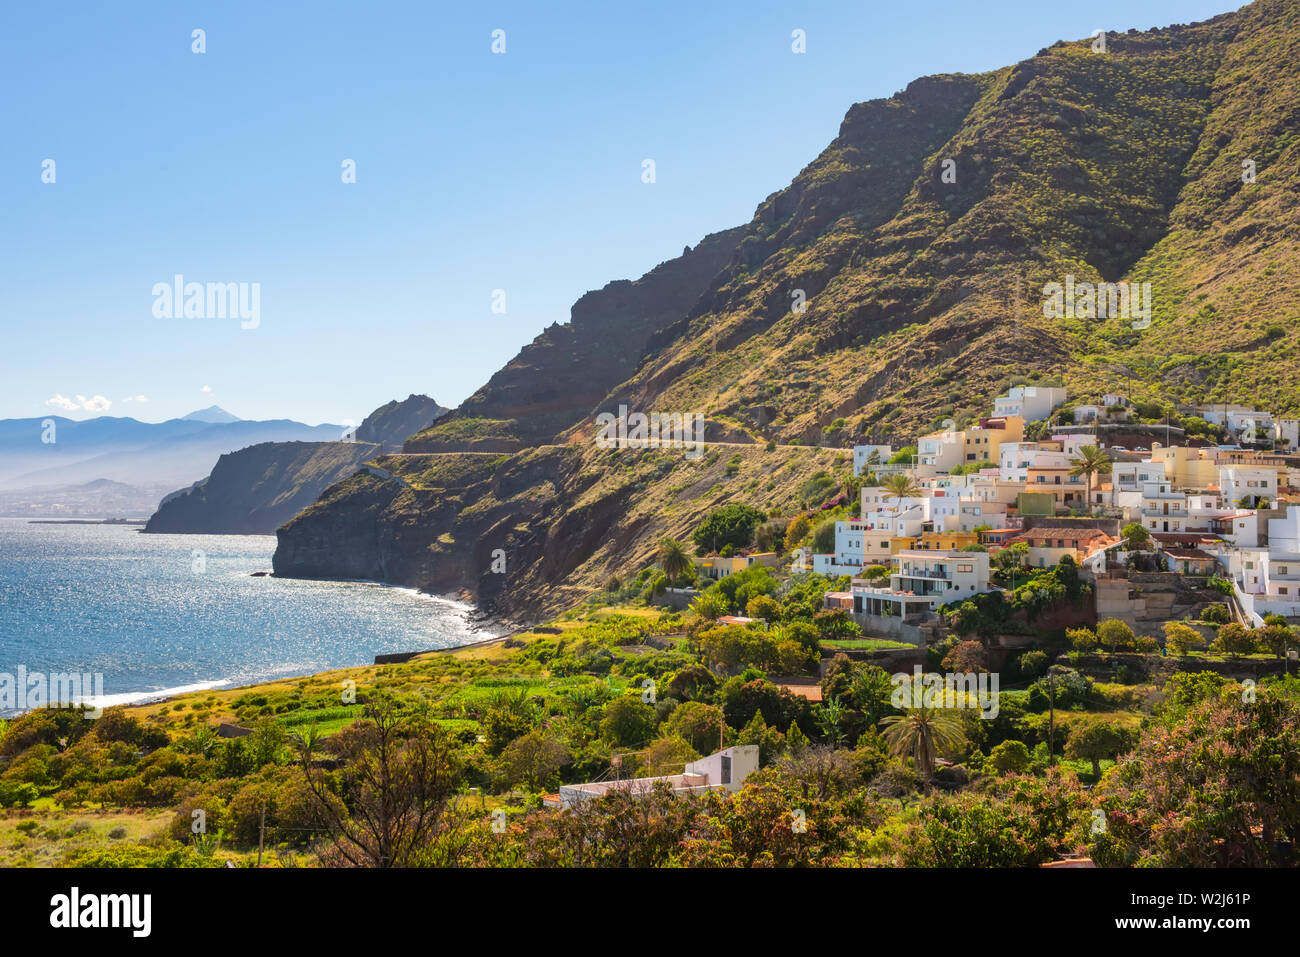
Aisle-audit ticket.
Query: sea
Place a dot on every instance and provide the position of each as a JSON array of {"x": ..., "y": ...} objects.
[{"x": 158, "y": 615}]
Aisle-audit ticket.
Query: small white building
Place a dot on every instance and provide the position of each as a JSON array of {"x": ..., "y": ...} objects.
[
  {"x": 942, "y": 576},
  {"x": 1247, "y": 486},
  {"x": 1030, "y": 402},
  {"x": 724, "y": 770},
  {"x": 1246, "y": 425},
  {"x": 862, "y": 456},
  {"x": 1016, "y": 458},
  {"x": 1163, "y": 509},
  {"x": 942, "y": 451},
  {"x": 1286, "y": 433}
]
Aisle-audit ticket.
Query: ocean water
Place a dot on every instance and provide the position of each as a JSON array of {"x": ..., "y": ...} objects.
[{"x": 153, "y": 618}]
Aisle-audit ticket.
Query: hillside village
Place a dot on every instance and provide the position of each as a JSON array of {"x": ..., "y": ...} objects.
[{"x": 948, "y": 518}]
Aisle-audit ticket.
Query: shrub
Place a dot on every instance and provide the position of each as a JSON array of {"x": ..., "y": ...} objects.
[
  {"x": 1082, "y": 639},
  {"x": 1217, "y": 614},
  {"x": 1115, "y": 635},
  {"x": 1181, "y": 639},
  {"x": 1009, "y": 756}
]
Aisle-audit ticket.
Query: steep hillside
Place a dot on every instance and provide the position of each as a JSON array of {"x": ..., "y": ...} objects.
[
  {"x": 564, "y": 518},
  {"x": 259, "y": 488},
  {"x": 921, "y": 241}
]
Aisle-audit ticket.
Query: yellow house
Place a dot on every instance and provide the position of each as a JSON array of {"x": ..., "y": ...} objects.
[
  {"x": 716, "y": 567},
  {"x": 983, "y": 442},
  {"x": 1186, "y": 467},
  {"x": 946, "y": 541}
]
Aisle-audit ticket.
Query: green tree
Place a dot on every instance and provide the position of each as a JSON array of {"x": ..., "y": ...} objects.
[
  {"x": 1233, "y": 639},
  {"x": 764, "y": 607},
  {"x": 823, "y": 540},
  {"x": 1136, "y": 537},
  {"x": 922, "y": 733},
  {"x": 1115, "y": 635},
  {"x": 1091, "y": 461},
  {"x": 899, "y": 486},
  {"x": 532, "y": 761},
  {"x": 732, "y": 525},
  {"x": 674, "y": 561},
  {"x": 628, "y": 722},
  {"x": 1182, "y": 639},
  {"x": 1095, "y": 739},
  {"x": 699, "y": 724}
]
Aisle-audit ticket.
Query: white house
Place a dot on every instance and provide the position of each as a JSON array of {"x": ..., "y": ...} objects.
[
  {"x": 1031, "y": 402},
  {"x": 942, "y": 451},
  {"x": 857, "y": 543},
  {"x": 942, "y": 576},
  {"x": 1280, "y": 585},
  {"x": 1088, "y": 413},
  {"x": 724, "y": 770},
  {"x": 1286, "y": 432},
  {"x": 1246, "y": 485},
  {"x": 862, "y": 453},
  {"x": 1247, "y": 425},
  {"x": 1016, "y": 458},
  {"x": 1162, "y": 508}
]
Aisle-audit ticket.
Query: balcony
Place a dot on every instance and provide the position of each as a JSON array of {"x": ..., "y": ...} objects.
[{"x": 922, "y": 573}]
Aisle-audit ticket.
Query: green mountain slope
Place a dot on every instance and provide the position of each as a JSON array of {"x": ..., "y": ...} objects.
[{"x": 924, "y": 285}]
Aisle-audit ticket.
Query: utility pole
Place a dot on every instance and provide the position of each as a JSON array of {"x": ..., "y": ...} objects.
[
  {"x": 1051, "y": 716},
  {"x": 261, "y": 834}
]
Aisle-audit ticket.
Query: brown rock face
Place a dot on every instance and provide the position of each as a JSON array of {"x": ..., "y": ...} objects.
[{"x": 558, "y": 378}]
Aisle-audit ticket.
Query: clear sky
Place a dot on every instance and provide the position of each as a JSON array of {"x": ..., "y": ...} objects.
[{"x": 475, "y": 172}]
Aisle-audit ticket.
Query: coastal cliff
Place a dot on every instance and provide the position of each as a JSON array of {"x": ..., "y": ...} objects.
[{"x": 257, "y": 489}]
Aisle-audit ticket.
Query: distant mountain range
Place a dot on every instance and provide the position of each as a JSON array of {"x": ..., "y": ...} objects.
[
  {"x": 213, "y": 413},
  {"x": 259, "y": 488},
  {"x": 56, "y": 451}
]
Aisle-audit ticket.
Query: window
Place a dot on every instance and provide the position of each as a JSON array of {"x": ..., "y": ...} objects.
[{"x": 965, "y": 568}]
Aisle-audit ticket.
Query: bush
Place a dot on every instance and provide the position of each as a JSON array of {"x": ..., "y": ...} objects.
[
  {"x": 1008, "y": 757},
  {"x": 1233, "y": 640},
  {"x": 1115, "y": 635},
  {"x": 730, "y": 525},
  {"x": 1181, "y": 639},
  {"x": 1082, "y": 639},
  {"x": 1217, "y": 614}
]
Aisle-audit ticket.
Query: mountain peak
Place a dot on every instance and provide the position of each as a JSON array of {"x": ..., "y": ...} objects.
[{"x": 213, "y": 413}]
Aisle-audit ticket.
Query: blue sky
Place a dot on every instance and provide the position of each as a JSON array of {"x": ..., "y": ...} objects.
[{"x": 475, "y": 172}]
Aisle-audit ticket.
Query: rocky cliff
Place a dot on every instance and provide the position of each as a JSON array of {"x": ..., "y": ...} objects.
[
  {"x": 257, "y": 489},
  {"x": 898, "y": 281}
]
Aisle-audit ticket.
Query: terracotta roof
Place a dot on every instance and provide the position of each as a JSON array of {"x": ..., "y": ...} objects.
[
  {"x": 1183, "y": 538},
  {"x": 1193, "y": 553},
  {"x": 1085, "y": 534}
]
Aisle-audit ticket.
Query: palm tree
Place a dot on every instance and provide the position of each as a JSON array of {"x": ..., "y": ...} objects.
[
  {"x": 1092, "y": 461},
  {"x": 899, "y": 486},
  {"x": 674, "y": 560},
  {"x": 922, "y": 733},
  {"x": 709, "y": 606}
]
